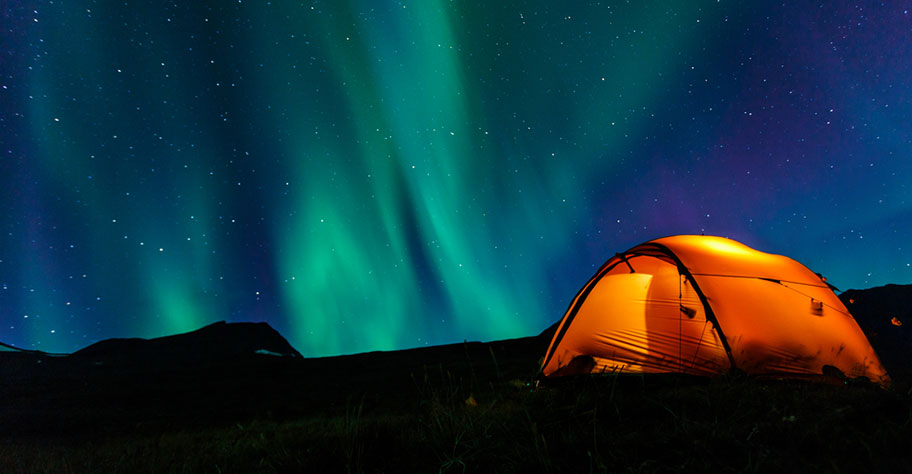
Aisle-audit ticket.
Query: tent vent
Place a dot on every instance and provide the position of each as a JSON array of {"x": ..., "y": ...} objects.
[
  {"x": 690, "y": 312},
  {"x": 816, "y": 307}
]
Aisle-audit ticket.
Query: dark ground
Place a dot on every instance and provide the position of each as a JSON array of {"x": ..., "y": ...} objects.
[{"x": 203, "y": 402}]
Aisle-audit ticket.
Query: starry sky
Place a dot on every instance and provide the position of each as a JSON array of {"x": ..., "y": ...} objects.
[{"x": 375, "y": 175}]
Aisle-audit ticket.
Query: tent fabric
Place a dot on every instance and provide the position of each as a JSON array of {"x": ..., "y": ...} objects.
[{"x": 706, "y": 305}]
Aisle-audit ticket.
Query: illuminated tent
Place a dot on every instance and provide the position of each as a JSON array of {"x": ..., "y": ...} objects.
[{"x": 704, "y": 305}]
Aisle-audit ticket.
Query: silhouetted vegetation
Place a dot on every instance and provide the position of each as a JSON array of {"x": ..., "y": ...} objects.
[{"x": 457, "y": 421}]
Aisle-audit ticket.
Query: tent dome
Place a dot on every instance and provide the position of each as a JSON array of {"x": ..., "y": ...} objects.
[{"x": 706, "y": 305}]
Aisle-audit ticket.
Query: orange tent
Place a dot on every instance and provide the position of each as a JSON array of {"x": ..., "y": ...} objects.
[{"x": 705, "y": 305}]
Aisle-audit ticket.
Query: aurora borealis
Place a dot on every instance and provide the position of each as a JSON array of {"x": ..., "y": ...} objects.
[{"x": 371, "y": 175}]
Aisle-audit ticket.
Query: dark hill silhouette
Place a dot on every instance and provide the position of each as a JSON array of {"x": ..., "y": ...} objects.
[
  {"x": 9, "y": 348},
  {"x": 875, "y": 309},
  {"x": 207, "y": 345},
  {"x": 215, "y": 374}
]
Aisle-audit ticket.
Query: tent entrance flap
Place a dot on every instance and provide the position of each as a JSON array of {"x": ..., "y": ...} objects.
[{"x": 658, "y": 326}]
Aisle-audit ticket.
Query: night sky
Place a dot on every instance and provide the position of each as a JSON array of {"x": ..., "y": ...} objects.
[{"x": 371, "y": 175}]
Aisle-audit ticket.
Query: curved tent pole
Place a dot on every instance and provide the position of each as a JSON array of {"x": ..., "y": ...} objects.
[
  {"x": 622, "y": 257},
  {"x": 710, "y": 315}
]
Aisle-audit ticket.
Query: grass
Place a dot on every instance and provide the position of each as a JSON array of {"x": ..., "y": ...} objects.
[{"x": 452, "y": 422}]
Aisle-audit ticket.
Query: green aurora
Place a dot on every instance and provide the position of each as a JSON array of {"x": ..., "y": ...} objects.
[{"x": 379, "y": 175}]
